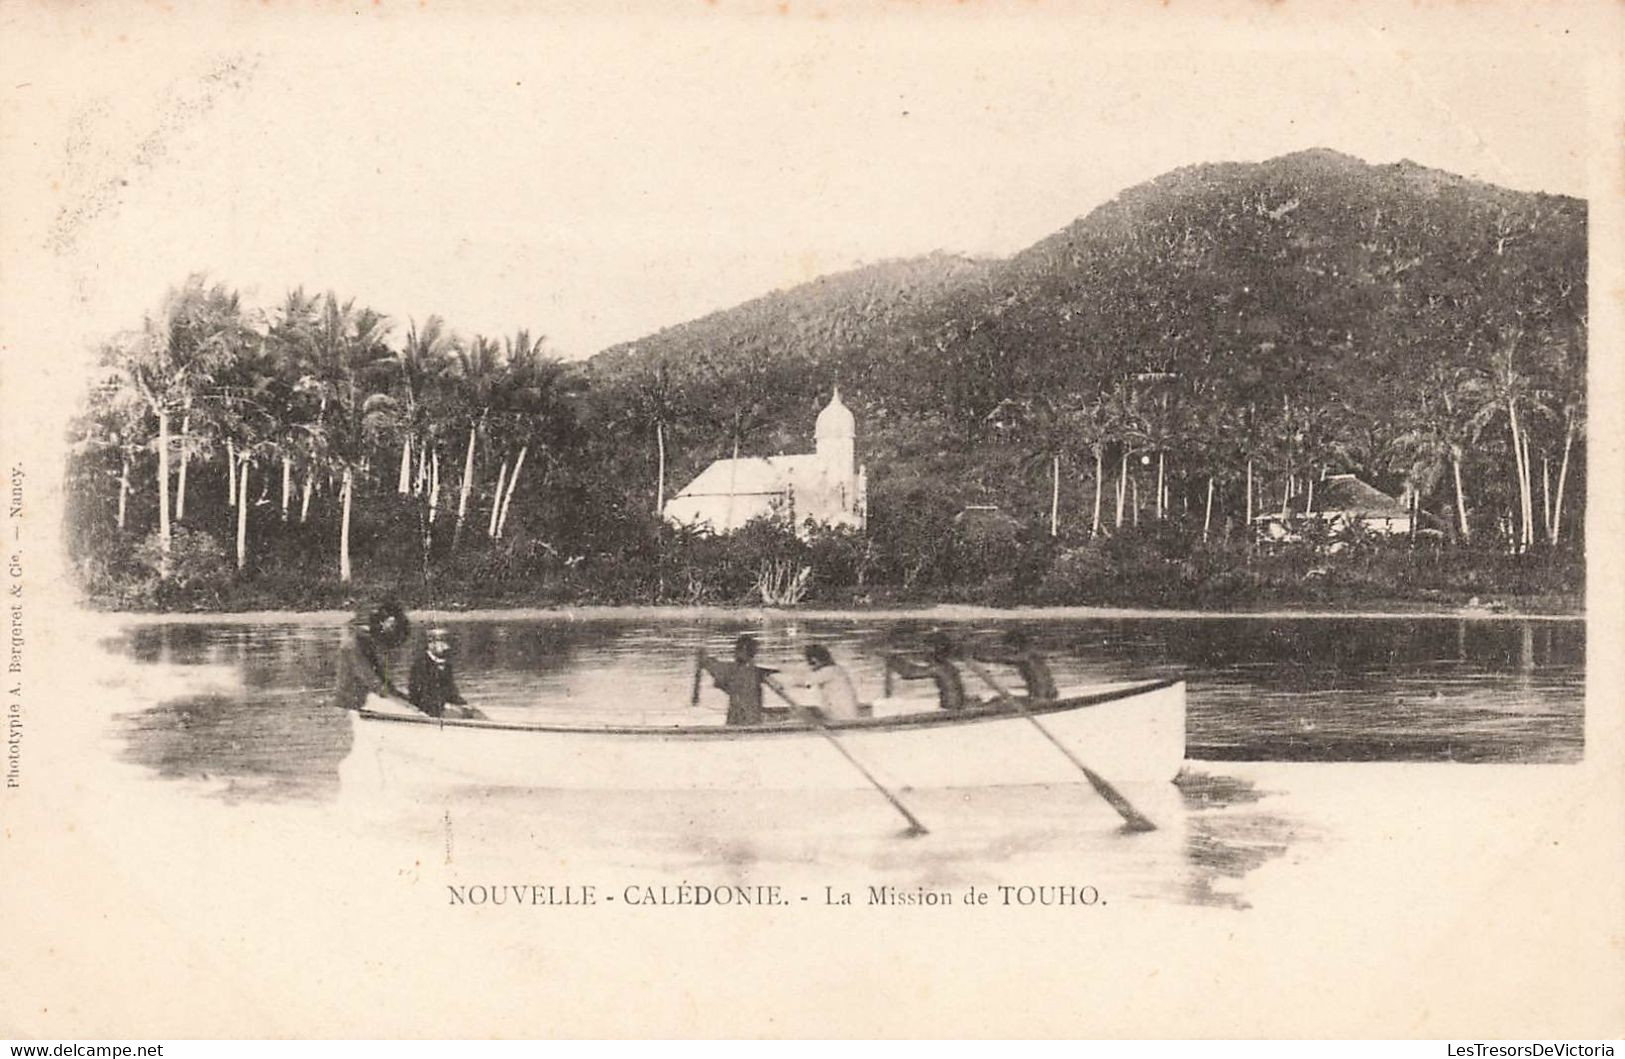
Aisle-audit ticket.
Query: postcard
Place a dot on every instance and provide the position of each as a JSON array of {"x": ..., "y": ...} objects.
[{"x": 812, "y": 520}]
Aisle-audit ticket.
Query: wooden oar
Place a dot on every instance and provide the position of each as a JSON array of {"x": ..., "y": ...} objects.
[
  {"x": 1133, "y": 819},
  {"x": 915, "y": 828}
]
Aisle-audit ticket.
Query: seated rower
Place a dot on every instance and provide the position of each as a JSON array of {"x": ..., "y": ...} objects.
[
  {"x": 363, "y": 654},
  {"x": 837, "y": 698},
  {"x": 1016, "y": 650},
  {"x": 938, "y": 666},
  {"x": 433, "y": 687},
  {"x": 742, "y": 679}
]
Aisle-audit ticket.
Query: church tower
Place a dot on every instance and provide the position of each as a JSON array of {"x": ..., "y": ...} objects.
[
  {"x": 835, "y": 442},
  {"x": 835, "y": 438}
]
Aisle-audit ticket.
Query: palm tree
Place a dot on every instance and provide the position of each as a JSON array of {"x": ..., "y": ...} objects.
[
  {"x": 114, "y": 421},
  {"x": 1435, "y": 435},
  {"x": 1128, "y": 423},
  {"x": 537, "y": 399},
  {"x": 250, "y": 401},
  {"x": 476, "y": 377},
  {"x": 419, "y": 364},
  {"x": 654, "y": 405},
  {"x": 169, "y": 363},
  {"x": 1089, "y": 422},
  {"x": 1160, "y": 422},
  {"x": 346, "y": 374},
  {"x": 1569, "y": 383},
  {"x": 1502, "y": 387}
]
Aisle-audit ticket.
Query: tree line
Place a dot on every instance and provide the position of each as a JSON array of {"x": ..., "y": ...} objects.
[{"x": 1195, "y": 354}]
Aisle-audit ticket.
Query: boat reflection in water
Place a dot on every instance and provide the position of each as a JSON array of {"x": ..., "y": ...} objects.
[{"x": 239, "y": 713}]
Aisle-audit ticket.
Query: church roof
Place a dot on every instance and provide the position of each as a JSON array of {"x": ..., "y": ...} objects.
[
  {"x": 836, "y": 419},
  {"x": 754, "y": 474}
]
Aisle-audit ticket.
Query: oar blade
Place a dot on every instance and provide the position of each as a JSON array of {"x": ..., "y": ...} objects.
[{"x": 1134, "y": 821}]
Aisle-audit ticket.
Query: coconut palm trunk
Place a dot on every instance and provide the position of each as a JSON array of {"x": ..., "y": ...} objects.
[
  {"x": 660, "y": 481},
  {"x": 434, "y": 486},
  {"x": 507, "y": 500},
  {"x": 123, "y": 488},
  {"x": 1249, "y": 493},
  {"x": 1525, "y": 507},
  {"x": 1122, "y": 487},
  {"x": 242, "y": 518},
  {"x": 1055, "y": 496},
  {"x": 1546, "y": 494},
  {"x": 186, "y": 456},
  {"x": 163, "y": 493},
  {"x": 1562, "y": 478},
  {"x": 1162, "y": 502},
  {"x": 403, "y": 483},
  {"x": 344, "y": 528},
  {"x": 496, "y": 501},
  {"x": 467, "y": 486},
  {"x": 1529, "y": 494},
  {"x": 287, "y": 484},
  {"x": 304, "y": 501},
  {"x": 1094, "y": 524},
  {"x": 1207, "y": 515},
  {"x": 231, "y": 474},
  {"x": 1461, "y": 496}
]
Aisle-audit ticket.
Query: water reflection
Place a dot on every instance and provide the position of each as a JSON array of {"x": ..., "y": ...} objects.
[
  {"x": 1260, "y": 689},
  {"x": 241, "y": 711}
]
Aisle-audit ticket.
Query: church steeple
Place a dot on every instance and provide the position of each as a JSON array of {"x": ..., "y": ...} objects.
[{"x": 835, "y": 436}]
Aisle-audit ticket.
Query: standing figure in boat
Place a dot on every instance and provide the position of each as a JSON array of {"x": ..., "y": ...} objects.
[
  {"x": 433, "y": 686},
  {"x": 367, "y": 639},
  {"x": 741, "y": 679},
  {"x": 1015, "y": 649},
  {"x": 937, "y": 666},
  {"x": 837, "y": 698}
]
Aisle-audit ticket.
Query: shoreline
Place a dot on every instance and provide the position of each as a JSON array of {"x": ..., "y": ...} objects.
[{"x": 938, "y": 612}]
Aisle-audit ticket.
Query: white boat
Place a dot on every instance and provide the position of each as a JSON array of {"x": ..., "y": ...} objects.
[{"x": 1127, "y": 733}]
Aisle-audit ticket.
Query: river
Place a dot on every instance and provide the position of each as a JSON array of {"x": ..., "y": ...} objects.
[
  {"x": 236, "y": 713},
  {"x": 249, "y": 702}
]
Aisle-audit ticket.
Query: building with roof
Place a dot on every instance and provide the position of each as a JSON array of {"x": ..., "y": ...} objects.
[
  {"x": 826, "y": 486},
  {"x": 1341, "y": 500}
]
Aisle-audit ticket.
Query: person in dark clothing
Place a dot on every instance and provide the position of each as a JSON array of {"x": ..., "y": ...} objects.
[
  {"x": 937, "y": 666},
  {"x": 367, "y": 640},
  {"x": 742, "y": 679},
  {"x": 433, "y": 687},
  {"x": 1016, "y": 650}
]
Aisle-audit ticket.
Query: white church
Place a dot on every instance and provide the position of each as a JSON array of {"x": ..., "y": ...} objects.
[{"x": 826, "y": 485}]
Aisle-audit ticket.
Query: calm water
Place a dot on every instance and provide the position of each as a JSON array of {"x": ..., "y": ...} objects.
[{"x": 247, "y": 704}]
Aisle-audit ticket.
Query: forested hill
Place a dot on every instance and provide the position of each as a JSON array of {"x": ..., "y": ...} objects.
[
  {"x": 1310, "y": 263},
  {"x": 1130, "y": 393}
]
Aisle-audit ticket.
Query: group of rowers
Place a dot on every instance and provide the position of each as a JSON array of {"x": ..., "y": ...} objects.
[
  {"x": 432, "y": 686},
  {"x": 837, "y": 699}
]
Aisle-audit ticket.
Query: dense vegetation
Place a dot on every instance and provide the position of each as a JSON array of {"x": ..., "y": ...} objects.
[{"x": 1128, "y": 394}]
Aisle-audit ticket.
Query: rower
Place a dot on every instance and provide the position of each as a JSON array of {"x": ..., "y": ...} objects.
[
  {"x": 433, "y": 686},
  {"x": 742, "y": 679},
  {"x": 367, "y": 639},
  {"x": 837, "y": 698},
  {"x": 1016, "y": 650},
  {"x": 938, "y": 666}
]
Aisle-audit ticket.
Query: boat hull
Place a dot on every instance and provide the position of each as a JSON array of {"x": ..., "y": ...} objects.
[{"x": 1129, "y": 734}]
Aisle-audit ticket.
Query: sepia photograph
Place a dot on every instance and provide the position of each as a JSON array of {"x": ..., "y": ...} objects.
[{"x": 785, "y": 520}]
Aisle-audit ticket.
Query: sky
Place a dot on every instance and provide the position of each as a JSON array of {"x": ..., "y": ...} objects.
[{"x": 595, "y": 178}]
